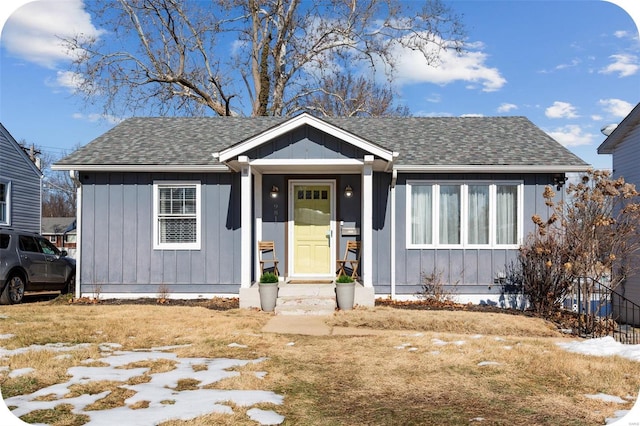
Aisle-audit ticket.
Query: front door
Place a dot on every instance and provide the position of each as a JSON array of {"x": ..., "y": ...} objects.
[{"x": 311, "y": 229}]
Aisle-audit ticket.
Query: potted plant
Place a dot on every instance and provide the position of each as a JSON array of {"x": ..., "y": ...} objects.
[
  {"x": 268, "y": 289},
  {"x": 345, "y": 292}
]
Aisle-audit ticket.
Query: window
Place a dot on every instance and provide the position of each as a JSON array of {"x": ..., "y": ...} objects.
[
  {"x": 474, "y": 214},
  {"x": 5, "y": 188},
  {"x": 70, "y": 238},
  {"x": 176, "y": 215}
]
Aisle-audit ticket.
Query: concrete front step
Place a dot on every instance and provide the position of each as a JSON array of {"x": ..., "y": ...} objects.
[{"x": 305, "y": 305}]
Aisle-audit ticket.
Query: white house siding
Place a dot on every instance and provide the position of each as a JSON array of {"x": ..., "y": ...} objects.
[
  {"x": 25, "y": 194},
  {"x": 117, "y": 237}
]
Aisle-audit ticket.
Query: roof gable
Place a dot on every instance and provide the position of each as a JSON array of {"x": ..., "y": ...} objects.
[
  {"x": 304, "y": 119},
  {"x": 12, "y": 144},
  {"x": 617, "y": 136}
]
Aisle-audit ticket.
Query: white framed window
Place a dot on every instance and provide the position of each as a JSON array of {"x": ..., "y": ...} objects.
[
  {"x": 5, "y": 202},
  {"x": 176, "y": 215},
  {"x": 464, "y": 214}
]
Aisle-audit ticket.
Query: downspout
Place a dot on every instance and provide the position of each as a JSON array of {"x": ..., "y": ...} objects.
[
  {"x": 394, "y": 178},
  {"x": 74, "y": 178}
]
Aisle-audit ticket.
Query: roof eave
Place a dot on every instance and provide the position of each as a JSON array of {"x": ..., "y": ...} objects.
[
  {"x": 184, "y": 168},
  {"x": 491, "y": 168},
  {"x": 620, "y": 132}
]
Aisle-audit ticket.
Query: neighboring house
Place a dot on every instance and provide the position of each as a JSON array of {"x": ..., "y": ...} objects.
[
  {"x": 61, "y": 231},
  {"x": 624, "y": 145},
  {"x": 20, "y": 186},
  {"x": 180, "y": 203}
]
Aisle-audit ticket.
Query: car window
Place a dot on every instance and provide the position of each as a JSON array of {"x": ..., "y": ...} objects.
[
  {"x": 28, "y": 243},
  {"x": 47, "y": 247},
  {"x": 4, "y": 241}
]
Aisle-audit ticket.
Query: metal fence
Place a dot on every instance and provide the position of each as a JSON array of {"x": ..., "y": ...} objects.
[{"x": 602, "y": 311}]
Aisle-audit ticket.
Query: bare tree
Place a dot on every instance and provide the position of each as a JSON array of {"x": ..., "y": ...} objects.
[
  {"x": 344, "y": 95},
  {"x": 58, "y": 189},
  {"x": 267, "y": 56}
]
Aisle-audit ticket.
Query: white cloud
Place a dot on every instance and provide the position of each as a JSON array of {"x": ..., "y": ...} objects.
[
  {"x": 33, "y": 31},
  {"x": 572, "y": 135},
  {"x": 469, "y": 67},
  {"x": 561, "y": 110},
  {"x": 616, "y": 107},
  {"x": 95, "y": 117},
  {"x": 624, "y": 65},
  {"x": 506, "y": 107},
  {"x": 596, "y": 117},
  {"x": 472, "y": 115}
]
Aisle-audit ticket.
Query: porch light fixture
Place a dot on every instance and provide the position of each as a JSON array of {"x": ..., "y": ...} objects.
[
  {"x": 348, "y": 191},
  {"x": 274, "y": 191},
  {"x": 559, "y": 181}
]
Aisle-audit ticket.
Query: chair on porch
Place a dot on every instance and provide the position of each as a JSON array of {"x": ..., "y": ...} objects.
[
  {"x": 351, "y": 260},
  {"x": 267, "y": 254}
]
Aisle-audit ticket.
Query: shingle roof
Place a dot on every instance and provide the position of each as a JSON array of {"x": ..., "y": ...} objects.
[
  {"x": 421, "y": 141},
  {"x": 57, "y": 225}
]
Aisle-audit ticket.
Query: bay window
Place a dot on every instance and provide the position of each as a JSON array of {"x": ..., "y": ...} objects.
[{"x": 474, "y": 214}]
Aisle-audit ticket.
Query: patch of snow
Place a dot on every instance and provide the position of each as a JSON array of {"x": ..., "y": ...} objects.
[
  {"x": 261, "y": 374},
  {"x": 236, "y": 345},
  {"x": 21, "y": 372},
  {"x": 53, "y": 347},
  {"x": 265, "y": 417},
  {"x": 6, "y": 336},
  {"x": 291, "y": 344},
  {"x": 477, "y": 419},
  {"x": 607, "y": 398},
  {"x": 604, "y": 346},
  {"x": 485, "y": 363},
  {"x": 161, "y": 388}
]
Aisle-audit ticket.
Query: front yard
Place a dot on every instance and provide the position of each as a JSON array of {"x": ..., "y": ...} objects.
[{"x": 198, "y": 366}]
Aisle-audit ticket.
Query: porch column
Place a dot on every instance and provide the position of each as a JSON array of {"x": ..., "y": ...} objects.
[
  {"x": 245, "y": 221},
  {"x": 367, "y": 221},
  {"x": 257, "y": 202}
]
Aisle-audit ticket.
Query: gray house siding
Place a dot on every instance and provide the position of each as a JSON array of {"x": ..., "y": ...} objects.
[
  {"x": 117, "y": 236},
  {"x": 17, "y": 170},
  {"x": 625, "y": 164},
  {"x": 465, "y": 271}
]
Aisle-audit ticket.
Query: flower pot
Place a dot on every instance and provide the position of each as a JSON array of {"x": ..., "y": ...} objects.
[
  {"x": 268, "y": 296},
  {"x": 345, "y": 293}
]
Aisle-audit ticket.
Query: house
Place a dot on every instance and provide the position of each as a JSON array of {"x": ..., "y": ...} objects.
[
  {"x": 181, "y": 203},
  {"x": 20, "y": 186},
  {"x": 623, "y": 143},
  {"x": 61, "y": 231}
]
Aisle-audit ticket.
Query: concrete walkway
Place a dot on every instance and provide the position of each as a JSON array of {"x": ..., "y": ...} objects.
[{"x": 313, "y": 325}]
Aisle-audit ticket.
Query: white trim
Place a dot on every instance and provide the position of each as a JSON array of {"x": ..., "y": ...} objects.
[
  {"x": 257, "y": 202},
  {"x": 394, "y": 178},
  {"x": 294, "y": 123},
  {"x": 488, "y": 169},
  {"x": 157, "y": 245},
  {"x": 332, "y": 227},
  {"x": 464, "y": 197},
  {"x": 7, "y": 201},
  {"x": 141, "y": 168},
  {"x": 367, "y": 221},
  {"x": 171, "y": 295},
  {"x": 246, "y": 218}
]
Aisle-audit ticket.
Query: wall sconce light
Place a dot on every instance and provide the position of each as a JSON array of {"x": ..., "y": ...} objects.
[
  {"x": 559, "y": 181},
  {"x": 348, "y": 191},
  {"x": 274, "y": 191}
]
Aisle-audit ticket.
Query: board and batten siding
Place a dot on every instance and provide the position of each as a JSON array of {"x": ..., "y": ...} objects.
[
  {"x": 117, "y": 236},
  {"x": 626, "y": 162},
  {"x": 468, "y": 271},
  {"x": 25, "y": 199}
]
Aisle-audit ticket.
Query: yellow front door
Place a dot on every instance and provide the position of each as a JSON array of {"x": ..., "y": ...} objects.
[{"x": 312, "y": 229}]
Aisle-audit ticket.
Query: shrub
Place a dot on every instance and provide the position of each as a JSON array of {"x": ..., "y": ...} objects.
[
  {"x": 268, "y": 277},
  {"x": 434, "y": 288},
  {"x": 344, "y": 279}
]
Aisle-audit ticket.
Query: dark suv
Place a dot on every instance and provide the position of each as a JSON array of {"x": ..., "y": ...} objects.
[{"x": 29, "y": 262}]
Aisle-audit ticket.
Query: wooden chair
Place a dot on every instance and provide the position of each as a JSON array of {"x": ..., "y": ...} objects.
[
  {"x": 351, "y": 258},
  {"x": 268, "y": 248}
]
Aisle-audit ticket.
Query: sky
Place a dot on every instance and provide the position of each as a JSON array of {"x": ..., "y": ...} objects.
[
  {"x": 189, "y": 404},
  {"x": 571, "y": 67}
]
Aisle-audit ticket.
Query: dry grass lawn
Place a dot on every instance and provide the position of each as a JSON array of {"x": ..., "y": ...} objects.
[{"x": 425, "y": 369}]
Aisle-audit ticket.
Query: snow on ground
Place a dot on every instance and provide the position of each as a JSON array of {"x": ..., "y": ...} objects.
[{"x": 165, "y": 402}]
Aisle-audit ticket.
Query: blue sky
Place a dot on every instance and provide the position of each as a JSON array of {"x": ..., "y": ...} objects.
[{"x": 571, "y": 67}]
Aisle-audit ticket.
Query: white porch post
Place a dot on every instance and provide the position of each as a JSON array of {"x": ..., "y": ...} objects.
[
  {"x": 245, "y": 222},
  {"x": 367, "y": 220},
  {"x": 257, "y": 202}
]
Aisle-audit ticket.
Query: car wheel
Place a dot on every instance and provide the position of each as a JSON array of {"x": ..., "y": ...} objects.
[
  {"x": 14, "y": 290},
  {"x": 70, "y": 285}
]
